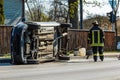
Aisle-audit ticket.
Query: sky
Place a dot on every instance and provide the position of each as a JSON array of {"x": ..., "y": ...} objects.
[{"x": 103, "y": 10}]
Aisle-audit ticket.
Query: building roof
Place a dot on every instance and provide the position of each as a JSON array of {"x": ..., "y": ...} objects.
[{"x": 12, "y": 11}]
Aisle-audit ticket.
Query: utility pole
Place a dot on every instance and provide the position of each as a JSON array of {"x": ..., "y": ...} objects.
[
  {"x": 114, "y": 4},
  {"x": 113, "y": 13},
  {"x": 114, "y": 25},
  {"x": 116, "y": 32},
  {"x": 81, "y": 14},
  {"x": 23, "y": 9}
]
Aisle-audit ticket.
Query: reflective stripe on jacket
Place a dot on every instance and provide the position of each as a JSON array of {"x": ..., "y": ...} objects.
[{"x": 96, "y": 36}]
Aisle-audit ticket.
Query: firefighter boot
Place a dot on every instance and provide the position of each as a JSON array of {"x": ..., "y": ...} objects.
[
  {"x": 95, "y": 58},
  {"x": 102, "y": 58}
]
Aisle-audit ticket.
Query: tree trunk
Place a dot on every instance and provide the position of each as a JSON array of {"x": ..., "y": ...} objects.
[
  {"x": 73, "y": 16},
  {"x": 1, "y": 12}
]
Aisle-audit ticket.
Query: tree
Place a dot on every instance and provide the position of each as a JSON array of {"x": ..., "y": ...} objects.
[
  {"x": 103, "y": 22},
  {"x": 36, "y": 11},
  {"x": 1, "y": 12},
  {"x": 59, "y": 11},
  {"x": 73, "y": 10},
  {"x": 65, "y": 11},
  {"x": 73, "y": 13}
]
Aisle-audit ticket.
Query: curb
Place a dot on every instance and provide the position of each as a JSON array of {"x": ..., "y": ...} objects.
[{"x": 8, "y": 60}]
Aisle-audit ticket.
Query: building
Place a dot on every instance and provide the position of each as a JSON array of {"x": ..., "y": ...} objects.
[{"x": 12, "y": 11}]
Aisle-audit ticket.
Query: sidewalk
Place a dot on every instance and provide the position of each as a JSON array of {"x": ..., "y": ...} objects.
[
  {"x": 109, "y": 56},
  {"x": 72, "y": 57},
  {"x": 106, "y": 54}
]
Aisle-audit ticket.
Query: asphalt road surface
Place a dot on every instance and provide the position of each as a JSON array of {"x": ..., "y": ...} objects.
[{"x": 70, "y": 70}]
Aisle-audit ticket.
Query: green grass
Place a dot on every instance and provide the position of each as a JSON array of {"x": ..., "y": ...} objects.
[{"x": 6, "y": 55}]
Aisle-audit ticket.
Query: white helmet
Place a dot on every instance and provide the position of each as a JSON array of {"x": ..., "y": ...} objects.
[{"x": 95, "y": 22}]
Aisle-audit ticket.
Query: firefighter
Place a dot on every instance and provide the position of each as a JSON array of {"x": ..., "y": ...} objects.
[{"x": 96, "y": 40}]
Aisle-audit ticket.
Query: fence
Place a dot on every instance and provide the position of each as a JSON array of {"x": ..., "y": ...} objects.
[
  {"x": 78, "y": 38},
  {"x": 5, "y": 32}
]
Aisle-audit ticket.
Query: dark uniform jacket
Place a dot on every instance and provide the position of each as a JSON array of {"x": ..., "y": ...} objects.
[{"x": 96, "y": 36}]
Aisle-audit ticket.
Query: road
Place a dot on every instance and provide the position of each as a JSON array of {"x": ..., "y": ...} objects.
[{"x": 70, "y": 70}]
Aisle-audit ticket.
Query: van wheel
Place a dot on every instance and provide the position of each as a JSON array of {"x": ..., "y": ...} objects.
[{"x": 17, "y": 46}]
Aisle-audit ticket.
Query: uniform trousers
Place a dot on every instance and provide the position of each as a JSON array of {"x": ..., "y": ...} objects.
[{"x": 100, "y": 50}]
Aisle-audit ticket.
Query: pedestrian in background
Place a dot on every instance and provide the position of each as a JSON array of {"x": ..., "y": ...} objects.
[{"x": 96, "y": 40}]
